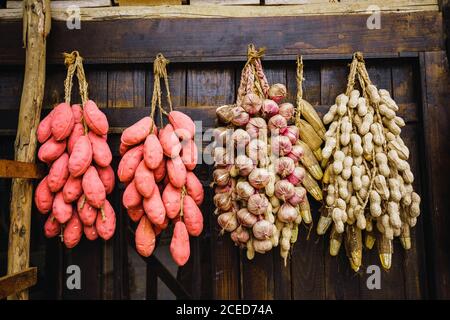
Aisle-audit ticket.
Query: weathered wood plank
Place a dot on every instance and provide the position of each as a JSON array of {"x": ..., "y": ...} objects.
[
  {"x": 37, "y": 27},
  {"x": 148, "y": 2},
  {"x": 18, "y": 169},
  {"x": 214, "y": 11},
  {"x": 16, "y": 282},
  {"x": 257, "y": 279},
  {"x": 88, "y": 256},
  {"x": 308, "y": 271},
  {"x": 65, "y": 4},
  {"x": 126, "y": 87},
  {"x": 223, "y": 2},
  {"x": 436, "y": 118},
  {"x": 214, "y": 85},
  {"x": 339, "y": 35},
  {"x": 11, "y": 80},
  {"x": 406, "y": 88}
]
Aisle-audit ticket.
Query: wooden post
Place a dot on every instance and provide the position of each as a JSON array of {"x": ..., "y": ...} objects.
[{"x": 36, "y": 26}]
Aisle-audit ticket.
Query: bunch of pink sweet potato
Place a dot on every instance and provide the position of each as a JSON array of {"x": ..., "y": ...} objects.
[
  {"x": 74, "y": 145},
  {"x": 156, "y": 167}
]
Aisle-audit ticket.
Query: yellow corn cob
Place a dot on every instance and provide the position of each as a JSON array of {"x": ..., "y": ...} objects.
[
  {"x": 327, "y": 175},
  {"x": 370, "y": 240},
  {"x": 405, "y": 237},
  {"x": 353, "y": 246},
  {"x": 305, "y": 211},
  {"x": 335, "y": 242},
  {"x": 309, "y": 113},
  {"x": 294, "y": 235},
  {"x": 310, "y": 161},
  {"x": 250, "y": 249},
  {"x": 325, "y": 221},
  {"x": 324, "y": 162},
  {"x": 385, "y": 251},
  {"x": 312, "y": 187},
  {"x": 310, "y": 137}
]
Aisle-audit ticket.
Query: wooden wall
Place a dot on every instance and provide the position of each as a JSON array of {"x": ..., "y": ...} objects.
[{"x": 121, "y": 82}]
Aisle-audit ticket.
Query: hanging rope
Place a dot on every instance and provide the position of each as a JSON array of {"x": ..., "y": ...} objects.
[
  {"x": 160, "y": 72},
  {"x": 299, "y": 78},
  {"x": 74, "y": 62},
  {"x": 357, "y": 56},
  {"x": 69, "y": 61}
]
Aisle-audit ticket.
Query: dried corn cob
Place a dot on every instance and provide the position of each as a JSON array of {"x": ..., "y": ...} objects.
[
  {"x": 335, "y": 242},
  {"x": 310, "y": 137},
  {"x": 385, "y": 251},
  {"x": 310, "y": 115},
  {"x": 405, "y": 236},
  {"x": 305, "y": 211},
  {"x": 310, "y": 161},
  {"x": 324, "y": 221},
  {"x": 353, "y": 246},
  {"x": 312, "y": 186},
  {"x": 370, "y": 239}
]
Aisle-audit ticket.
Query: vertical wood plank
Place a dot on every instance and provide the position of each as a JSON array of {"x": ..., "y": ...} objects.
[
  {"x": 11, "y": 80},
  {"x": 54, "y": 86},
  {"x": 340, "y": 281},
  {"x": 212, "y": 84},
  {"x": 97, "y": 78},
  {"x": 311, "y": 82},
  {"x": 87, "y": 255},
  {"x": 405, "y": 89},
  {"x": 436, "y": 118},
  {"x": 126, "y": 87}
]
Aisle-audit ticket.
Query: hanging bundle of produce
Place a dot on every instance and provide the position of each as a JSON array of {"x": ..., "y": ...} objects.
[
  {"x": 74, "y": 145},
  {"x": 262, "y": 168},
  {"x": 157, "y": 170},
  {"x": 368, "y": 180}
]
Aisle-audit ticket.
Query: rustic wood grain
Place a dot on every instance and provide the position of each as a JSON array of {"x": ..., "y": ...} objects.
[
  {"x": 88, "y": 255},
  {"x": 126, "y": 87},
  {"x": 214, "y": 85},
  {"x": 212, "y": 11},
  {"x": 406, "y": 88},
  {"x": 435, "y": 92},
  {"x": 339, "y": 34},
  {"x": 17, "y": 169},
  {"x": 11, "y": 80},
  {"x": 17, "y": 282},
  {"x": 37, "y": 26},
  {"x": 308, "y": 271}
]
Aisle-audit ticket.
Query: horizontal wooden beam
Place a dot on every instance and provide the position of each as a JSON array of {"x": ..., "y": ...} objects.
[
  {"x": 16, "y": 282},
  {"x": 236, "y": 11},
  {"x": 226, "y": 39},
  {"x": 65, "y": 4},
  {"x": 17, "y": 169}
]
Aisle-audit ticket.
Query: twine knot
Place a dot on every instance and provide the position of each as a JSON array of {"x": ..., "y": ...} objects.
[{"x": 253, "y": 54}]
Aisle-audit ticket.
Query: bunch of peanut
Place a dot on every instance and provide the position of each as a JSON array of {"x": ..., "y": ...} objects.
[{"x": 368, "y": 180}]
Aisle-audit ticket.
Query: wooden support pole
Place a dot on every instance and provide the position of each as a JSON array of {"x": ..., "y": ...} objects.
[{"x": 36, "y": 26}]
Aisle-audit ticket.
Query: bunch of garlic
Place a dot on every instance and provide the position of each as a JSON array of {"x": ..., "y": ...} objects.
[
  {"x": 263, "y": 170},
  {"x": 367, "y": 180}
]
